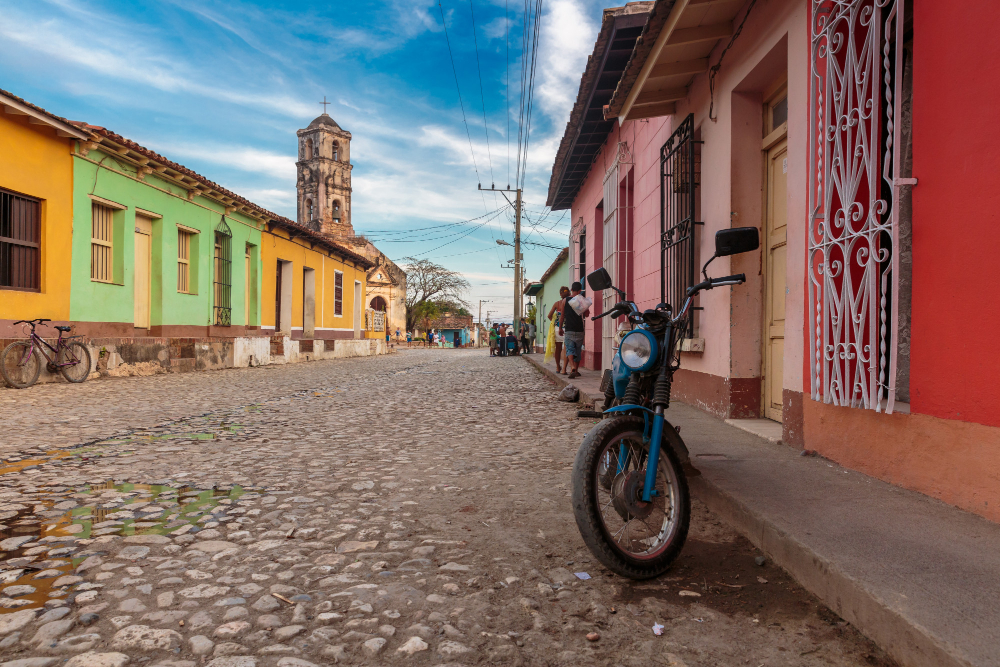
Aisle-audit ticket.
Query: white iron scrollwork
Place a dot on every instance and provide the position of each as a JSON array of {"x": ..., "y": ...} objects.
[{"x": 853, "y": 236}]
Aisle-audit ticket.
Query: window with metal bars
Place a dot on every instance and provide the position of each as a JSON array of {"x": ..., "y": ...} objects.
[
  {"x": 20, "y": 242},
  {"x": 338, "y": 293},
  {"x": 101, "y": 245},
  {"x": 679, "y": 180},
  {"x": 223, "y": 275}
]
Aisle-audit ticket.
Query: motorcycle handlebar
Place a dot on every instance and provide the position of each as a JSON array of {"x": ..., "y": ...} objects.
[
  {"x": 736, "y": 279},
  {"x": 604, "y": 314}
]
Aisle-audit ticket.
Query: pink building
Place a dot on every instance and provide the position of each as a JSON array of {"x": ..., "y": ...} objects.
[{"x": 808, "y": 119}]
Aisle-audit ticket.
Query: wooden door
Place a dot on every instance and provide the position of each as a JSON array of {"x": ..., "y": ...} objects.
[
  {"x": 277, "y": 300},
  {"x": 775, "y": 285},
  {"x": 143, "y": 250},
  {"x": 247, "y": 292}
]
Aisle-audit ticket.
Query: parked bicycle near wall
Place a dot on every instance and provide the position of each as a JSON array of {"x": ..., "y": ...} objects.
[
  {"x": 20, "y": 362},
  {"x": 630, "y": 492}
]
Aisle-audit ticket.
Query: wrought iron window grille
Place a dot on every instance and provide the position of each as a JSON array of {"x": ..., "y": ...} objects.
[
  {"x": 223, "y": 307},
  {"x": 855, "y": 96},
  {"x": 680, "y": 177}
]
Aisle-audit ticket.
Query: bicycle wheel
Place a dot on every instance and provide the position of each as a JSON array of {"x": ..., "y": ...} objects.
[
  {"x": 77, "y": 357},
  {"x": 20, "y": 365},
  {"x": 634, "y": 539}
]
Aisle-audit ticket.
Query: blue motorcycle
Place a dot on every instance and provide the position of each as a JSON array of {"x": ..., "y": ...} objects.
[{"x": 630, "y": 492}]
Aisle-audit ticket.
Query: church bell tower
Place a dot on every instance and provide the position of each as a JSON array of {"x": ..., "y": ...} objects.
[{"x": 324, "y": 177}]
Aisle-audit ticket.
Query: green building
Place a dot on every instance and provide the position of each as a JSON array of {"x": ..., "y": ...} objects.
[
  {"x": 546, "y": 292},
  {"x": 158, "y": 250}
]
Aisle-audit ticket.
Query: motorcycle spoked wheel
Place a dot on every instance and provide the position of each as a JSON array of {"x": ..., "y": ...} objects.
[{"x": 631, "y": 538}]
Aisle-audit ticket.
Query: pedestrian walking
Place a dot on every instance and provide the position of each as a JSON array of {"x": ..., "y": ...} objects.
[
  {"x": 572, "y": 326},
  {"x": 409, "y": 338},
  {"x": 523, "y": 326},
  {"x": 397, "y": 334},
  {"x": 430, "y": 337},
  {"x": 555, "y": 316},
  {"x": 531, "y": 337}
]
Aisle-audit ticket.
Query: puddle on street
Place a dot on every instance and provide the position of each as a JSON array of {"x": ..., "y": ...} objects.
[
  {"x": 41, "y": 542},
  {"x": 47, "y": 530}
]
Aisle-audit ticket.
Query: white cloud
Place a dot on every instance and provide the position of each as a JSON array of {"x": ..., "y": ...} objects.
[{"x": 243, "y": 158}]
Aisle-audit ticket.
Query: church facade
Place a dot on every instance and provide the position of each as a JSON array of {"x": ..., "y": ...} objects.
[{"x": 324, "y": 205}]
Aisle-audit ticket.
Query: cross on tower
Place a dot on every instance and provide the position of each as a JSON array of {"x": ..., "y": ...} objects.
[{"x": 324, "y": 103}]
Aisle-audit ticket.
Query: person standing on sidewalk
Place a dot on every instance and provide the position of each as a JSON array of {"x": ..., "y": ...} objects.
[
  {"x": 572, "y": 326},
  {"x": 556, "y": 310}
]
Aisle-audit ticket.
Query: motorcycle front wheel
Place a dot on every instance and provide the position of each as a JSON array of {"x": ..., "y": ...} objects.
[{"x": 631, "y": 538}]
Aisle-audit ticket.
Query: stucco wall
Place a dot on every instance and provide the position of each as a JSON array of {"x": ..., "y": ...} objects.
[
  {"x": 773, "y": 41},
  {"x": 956, "y": 206},
  {"x": 37, "y": 163},
  {"x": 276, "y": 246},
  {"x": 99, "y": 303}
]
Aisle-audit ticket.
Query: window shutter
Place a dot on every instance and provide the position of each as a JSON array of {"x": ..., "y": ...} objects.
[{"x": 101, "y": 251}]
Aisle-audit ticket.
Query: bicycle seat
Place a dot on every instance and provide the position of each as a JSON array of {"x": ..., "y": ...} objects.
[{"x": 58, "y": 328}]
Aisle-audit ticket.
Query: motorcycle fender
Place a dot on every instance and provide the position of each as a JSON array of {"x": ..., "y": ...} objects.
[
  {"x": 670, "y": 434},
  {"x": 620, "y": 375}
]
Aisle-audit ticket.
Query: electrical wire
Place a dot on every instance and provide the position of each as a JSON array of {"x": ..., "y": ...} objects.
[
  {"x": 482, "y": 95},
  {"x": 460, "y": 102}
]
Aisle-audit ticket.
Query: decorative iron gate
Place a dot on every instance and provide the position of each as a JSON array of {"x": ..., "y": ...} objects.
[
  {"x": 856, "y": 78},
  {"x": 223, "y": 274},
  {"x": 678, "y": 179}
]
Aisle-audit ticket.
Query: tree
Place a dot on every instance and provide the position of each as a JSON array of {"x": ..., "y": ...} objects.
[{"x": 428, "y": 284}]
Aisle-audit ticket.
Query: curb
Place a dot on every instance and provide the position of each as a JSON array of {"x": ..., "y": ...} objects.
[{"x": 910, "y": 644}]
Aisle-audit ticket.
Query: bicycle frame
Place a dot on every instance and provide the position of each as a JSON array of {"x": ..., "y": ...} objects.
[{"x": 41, "y": 344}]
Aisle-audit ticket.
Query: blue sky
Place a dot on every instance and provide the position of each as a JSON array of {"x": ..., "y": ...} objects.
[{"x": 221, "y": 87}]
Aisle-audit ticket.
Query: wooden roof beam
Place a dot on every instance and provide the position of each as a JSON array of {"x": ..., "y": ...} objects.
[
  {"x": 696, "y": 66},
  {"x": 661, "y": 96},
  {"x": 651, "y": 111},
  {"x": 704, "y": 33}
]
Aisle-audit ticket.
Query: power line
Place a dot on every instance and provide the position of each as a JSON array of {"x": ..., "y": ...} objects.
[
  {"x": 482, "y": 95},
  {"x": 506, "y": 37},
  {"x": 460, "y": 102}
]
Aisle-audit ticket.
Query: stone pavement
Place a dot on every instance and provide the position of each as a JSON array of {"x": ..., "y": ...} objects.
[{"x": 407, "y": 509}]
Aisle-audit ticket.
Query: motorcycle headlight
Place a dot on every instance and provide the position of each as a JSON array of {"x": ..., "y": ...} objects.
[{"x": 637, "y": 350}]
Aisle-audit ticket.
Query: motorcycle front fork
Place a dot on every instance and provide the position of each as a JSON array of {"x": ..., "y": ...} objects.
[{"x": 649, "y": 484}]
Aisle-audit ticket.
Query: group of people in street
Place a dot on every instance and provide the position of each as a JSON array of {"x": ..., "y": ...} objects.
[
  {"x": 510, "y": 340},
  {"x": 565, "y": 340}
]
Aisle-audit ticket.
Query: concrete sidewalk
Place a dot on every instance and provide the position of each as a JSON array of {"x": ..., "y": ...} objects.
[{"x": 919, "y": 577}]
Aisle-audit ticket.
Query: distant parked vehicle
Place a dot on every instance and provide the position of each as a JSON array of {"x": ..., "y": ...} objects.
[{"x": 20, "y": 362}]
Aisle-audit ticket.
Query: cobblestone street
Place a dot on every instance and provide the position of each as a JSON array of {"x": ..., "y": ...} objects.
[{"x": 405, "y": 509}]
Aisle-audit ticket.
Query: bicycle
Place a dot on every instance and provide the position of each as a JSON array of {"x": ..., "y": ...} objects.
[{"x": 20, "y": 362}]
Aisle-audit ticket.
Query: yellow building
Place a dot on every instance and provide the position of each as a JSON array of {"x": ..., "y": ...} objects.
[
  {"x": 312, "y": 288},
  {"x": 36, "y": 214}
]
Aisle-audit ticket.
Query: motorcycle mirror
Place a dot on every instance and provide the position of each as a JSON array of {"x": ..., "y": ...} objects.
[
  {"x": 735, "y": 241},
  {"x": 599, "y": 279}
]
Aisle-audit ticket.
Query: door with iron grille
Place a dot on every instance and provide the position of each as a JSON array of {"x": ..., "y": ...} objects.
[
  {"x": 223, "y": 310},
  {"x": 678, "y": 180}
]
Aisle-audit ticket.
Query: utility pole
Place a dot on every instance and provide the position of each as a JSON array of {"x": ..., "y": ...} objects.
[
  {"x": 518, "y": 258},
  {"x": 479, "y": 323}
]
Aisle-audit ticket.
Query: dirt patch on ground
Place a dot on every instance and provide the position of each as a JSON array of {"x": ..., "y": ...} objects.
[{"x": 139, "y": 369}]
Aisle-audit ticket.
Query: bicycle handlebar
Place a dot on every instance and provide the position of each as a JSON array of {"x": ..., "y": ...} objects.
[{"x": 37, "y": 320}]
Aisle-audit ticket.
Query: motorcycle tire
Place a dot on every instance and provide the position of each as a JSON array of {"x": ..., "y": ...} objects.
[{"x": 590, "y": 471}]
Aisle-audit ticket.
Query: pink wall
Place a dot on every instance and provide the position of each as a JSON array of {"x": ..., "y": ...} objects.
[{"x": 774, "y": 40}]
